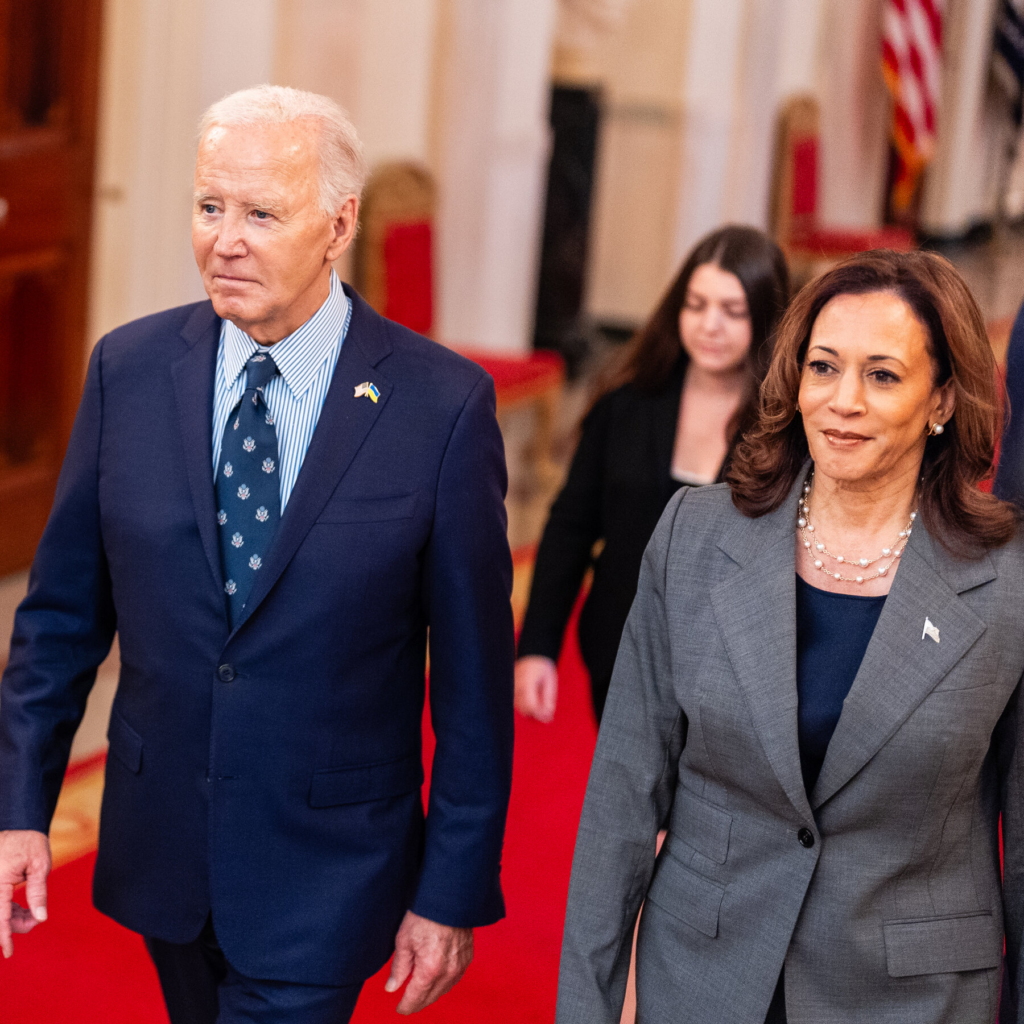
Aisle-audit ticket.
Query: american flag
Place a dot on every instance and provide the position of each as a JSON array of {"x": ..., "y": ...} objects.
[{"x": 912, "y": 66}]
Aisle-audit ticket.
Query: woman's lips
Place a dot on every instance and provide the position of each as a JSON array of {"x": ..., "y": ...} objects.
[{"x": 844, "y": 438}]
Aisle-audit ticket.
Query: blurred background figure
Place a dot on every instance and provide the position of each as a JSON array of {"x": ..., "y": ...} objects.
[{"x": 666, "y": 415}]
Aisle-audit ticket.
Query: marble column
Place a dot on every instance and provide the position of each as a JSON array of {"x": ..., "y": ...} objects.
[
  {"x": 492, "y": 151},
  {"x": 164, "y": 61},
  {"x": 961, "y": 185}
]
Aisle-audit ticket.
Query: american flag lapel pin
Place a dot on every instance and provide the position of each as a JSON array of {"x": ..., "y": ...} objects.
[
  {"x": 369, "y": 390},
  {"x": 930, "y": 630}
]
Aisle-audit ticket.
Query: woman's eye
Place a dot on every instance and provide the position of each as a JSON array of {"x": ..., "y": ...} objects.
[
  {"x": 736, "y": 313},
  {"x": 885, "y": 377},
  {"x": 819, "y": 367}
]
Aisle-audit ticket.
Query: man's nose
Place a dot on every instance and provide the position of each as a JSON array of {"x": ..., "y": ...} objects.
[{"x": 231, "y": 238}]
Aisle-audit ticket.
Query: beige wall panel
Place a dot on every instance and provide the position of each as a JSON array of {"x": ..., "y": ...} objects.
[
  {"x": 642, "y": 62},
  {"x": 492, "y": 153},
  {"x": 641, "y": 68},
  {"x": 855, "y": 116},
  {"x": 962, "y": 183},
  {"x": 318, "y": 48},
  {"x": 164, "y": 61},
  {"x": 748, "y": 174},
  {"x": 373, "y": 58},
  {"x": 631, "y": 249}
]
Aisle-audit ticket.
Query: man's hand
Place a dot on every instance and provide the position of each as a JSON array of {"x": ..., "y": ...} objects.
[
  {"x": 435, "y": 956},
  {"x": 24, "y": 857},
  {"x": 536, "y": 687}
]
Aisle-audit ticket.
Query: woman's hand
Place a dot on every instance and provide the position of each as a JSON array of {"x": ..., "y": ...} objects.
[{"x": 536, "y": 687}]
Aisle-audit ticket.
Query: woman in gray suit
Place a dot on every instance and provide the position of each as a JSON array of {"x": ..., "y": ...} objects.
[{"x": 817, "y": 696}]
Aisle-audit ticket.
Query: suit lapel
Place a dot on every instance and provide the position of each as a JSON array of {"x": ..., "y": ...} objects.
[
  {"x": 756, "y": 613},
  {"x": 900, "y": 667},
  {"x": 340, "y": 431},
  {"x": 193, "y": 391}
]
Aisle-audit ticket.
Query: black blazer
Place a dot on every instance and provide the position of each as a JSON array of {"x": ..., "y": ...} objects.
[{"x": 619, "y": 484}]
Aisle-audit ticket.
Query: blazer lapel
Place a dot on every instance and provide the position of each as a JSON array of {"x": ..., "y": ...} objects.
[
  {"x": 756, "y": 613},
  {"x": 193, "y": 391},
  {"x": 901, "y": 667},
  {"x": 340, "y": 431}
]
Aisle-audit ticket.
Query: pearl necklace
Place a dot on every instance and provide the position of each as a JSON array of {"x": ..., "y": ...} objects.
[{"x": 805, "y": 526}]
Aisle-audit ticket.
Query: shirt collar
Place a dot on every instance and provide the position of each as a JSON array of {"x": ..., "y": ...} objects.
[{"x": 300, "y": 355}]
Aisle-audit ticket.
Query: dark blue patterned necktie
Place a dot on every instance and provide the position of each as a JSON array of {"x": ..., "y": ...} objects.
[{"x": 248, "y": 488}]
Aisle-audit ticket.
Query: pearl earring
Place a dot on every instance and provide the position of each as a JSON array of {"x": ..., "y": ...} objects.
[{"x": 936, "y": 429}]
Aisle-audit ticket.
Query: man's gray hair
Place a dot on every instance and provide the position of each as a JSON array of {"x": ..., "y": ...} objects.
[{"x": 342, "y": 164}]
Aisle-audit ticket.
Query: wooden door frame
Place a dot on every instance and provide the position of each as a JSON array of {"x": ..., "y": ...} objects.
[{"x": 26, "y": 493}]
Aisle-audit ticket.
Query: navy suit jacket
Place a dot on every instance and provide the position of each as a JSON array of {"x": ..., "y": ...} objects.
[
  {"x": 271, "y": 774},
  {"x": 1009, "y": 482}
]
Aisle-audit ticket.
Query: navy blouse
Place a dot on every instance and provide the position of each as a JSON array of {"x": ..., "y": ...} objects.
[{"x": 832, "y": 634}]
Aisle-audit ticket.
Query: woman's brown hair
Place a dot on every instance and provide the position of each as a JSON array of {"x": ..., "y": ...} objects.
[
  {"x": 655, "y": 355},
  {"x": 768, "y": 459}
]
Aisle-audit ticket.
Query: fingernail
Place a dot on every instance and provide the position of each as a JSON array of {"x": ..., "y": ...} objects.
[
  {"x": 390, "y": 985},
  {"x": 39, "y": 913}
]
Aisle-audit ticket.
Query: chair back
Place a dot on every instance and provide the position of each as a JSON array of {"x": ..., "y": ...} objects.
[
  {"x": 392, "y": 264},
  {"x": 794, "y": 193}
]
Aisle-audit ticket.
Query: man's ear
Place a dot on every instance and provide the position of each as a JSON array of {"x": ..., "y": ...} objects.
[{"x": 344, "y": 228}]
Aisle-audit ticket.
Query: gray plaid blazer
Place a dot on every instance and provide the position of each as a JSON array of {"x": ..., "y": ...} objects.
[{"x": 880, "y": 891}]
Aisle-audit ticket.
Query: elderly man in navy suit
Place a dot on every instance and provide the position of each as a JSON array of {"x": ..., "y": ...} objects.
[{"x": 271, "y": 497}]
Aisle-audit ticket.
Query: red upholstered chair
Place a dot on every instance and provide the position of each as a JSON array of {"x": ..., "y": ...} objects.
[
  {"x": 807, "y": 242},
  {"x": 393, "y": 271},
  {"x": 391, "y": 266},
  {"x": 408, "y": 275}
]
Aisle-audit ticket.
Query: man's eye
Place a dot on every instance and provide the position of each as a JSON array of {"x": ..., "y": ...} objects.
[
  {"x": 261, "y": 214},
  {"x": 209, "y": 208}
]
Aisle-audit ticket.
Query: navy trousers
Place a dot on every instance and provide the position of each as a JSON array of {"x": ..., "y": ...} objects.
[{"x": 201, "y": 987}]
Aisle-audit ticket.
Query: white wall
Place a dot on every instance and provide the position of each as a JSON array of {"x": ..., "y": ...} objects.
[
  {"x": 800, "y": 46},
  {"x": 492, "y": 167},
  {"x": 710, "y": 98},
  {"x": 961, "y": 187},
  {"x": 703, "y": 81},
  {"x": 855, "y": 116},
  {"x": 163, "y": 62},
  {"x": 640, "y": 69},
  {"x": 374, "y": 58}
]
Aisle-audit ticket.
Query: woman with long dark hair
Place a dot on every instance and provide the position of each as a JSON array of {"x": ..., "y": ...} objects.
[{"x": 667, "y": 415}]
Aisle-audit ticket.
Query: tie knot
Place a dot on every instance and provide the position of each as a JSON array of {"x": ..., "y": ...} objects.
[{"x": 258, "y": 370}]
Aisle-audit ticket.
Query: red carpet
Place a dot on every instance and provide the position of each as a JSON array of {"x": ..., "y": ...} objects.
[{"x": 81, "y": 968}]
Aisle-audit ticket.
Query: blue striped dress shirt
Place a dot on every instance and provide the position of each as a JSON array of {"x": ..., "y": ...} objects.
[{"x": 306, "y": 360}]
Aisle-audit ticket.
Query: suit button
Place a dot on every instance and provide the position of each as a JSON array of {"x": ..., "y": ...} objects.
[
  {"x": 227, "y": 672},
  {"x": 805, "y": 837}
]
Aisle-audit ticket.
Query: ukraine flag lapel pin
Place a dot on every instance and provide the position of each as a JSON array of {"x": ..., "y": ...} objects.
[{"x": 368, "y": 389}]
